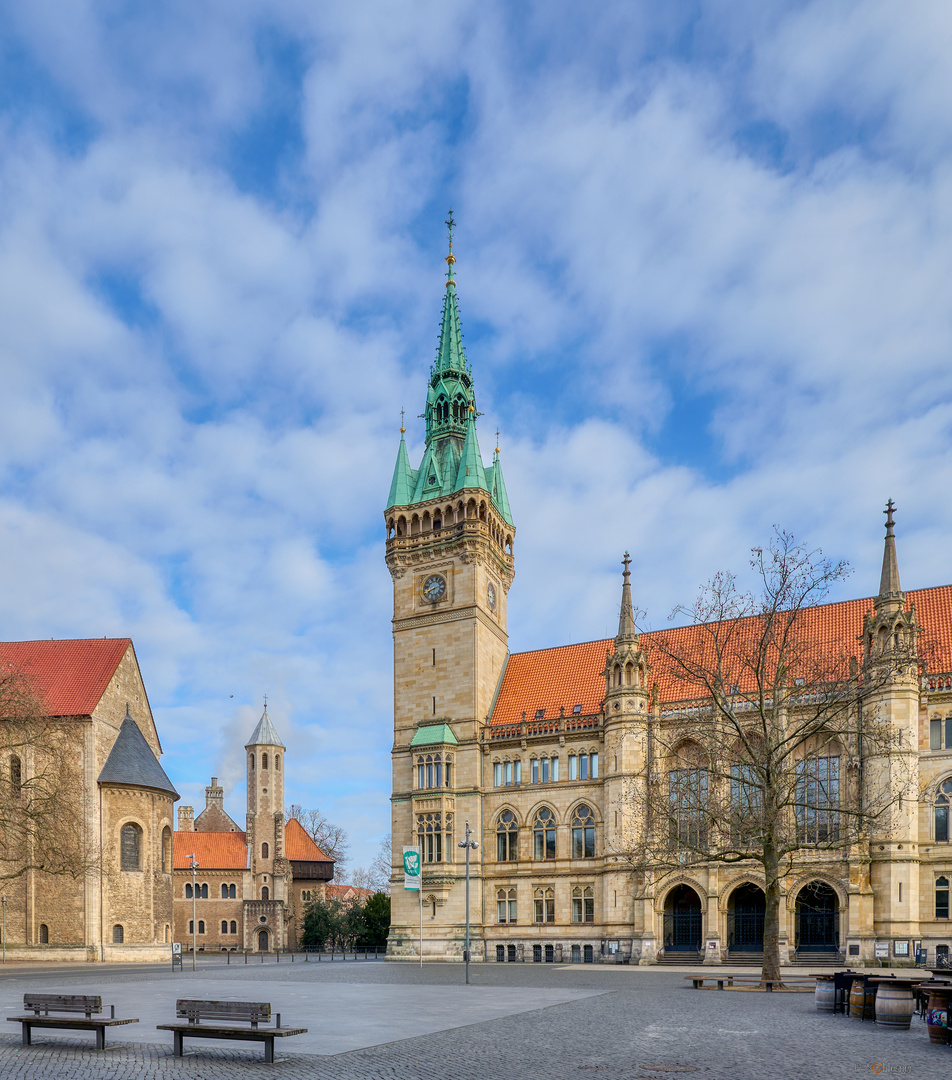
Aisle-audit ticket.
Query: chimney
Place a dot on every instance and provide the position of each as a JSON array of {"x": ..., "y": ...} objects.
[
  {"x": 186, "y": 819},
  {"x": 214, "y": 795}
]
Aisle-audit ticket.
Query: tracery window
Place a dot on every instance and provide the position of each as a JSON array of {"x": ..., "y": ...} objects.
[
  {"x": 506, "y": 905},
  {"x": 507, "y": 837},
  {"x": 544, "y": 834},
  {"x": 129, "y": 844},
  {"x": 430, "y": 831},
  {"x": 544, "y": 904},
  {"x": 943, "y": 800},
  {"x": 583, "y": 833},
  {"x": 583, "y": 904},
  {"x": 941, "y": 897},
  {"x": 687, "y": 802},
  {"x": 818, "y": 799},
  {"x": 430, "y": 771}
]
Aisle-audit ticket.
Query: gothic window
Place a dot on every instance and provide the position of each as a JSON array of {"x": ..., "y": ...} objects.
[
  {"x": 544, "y": 834},
  {"x": 16, "y": 775},
  {"x": 818, "y": 799},
  {"x": 506, "y": 905},
  {"x": 264, "y": 851},
  {"x": 941, "y": 897},
  {"x": 746, "y": 802},
  {"x": 943, "y": 800},
  {"x": 430, "y": 829},
  {"x": 234, "y": 927},
  {"x": 224, "y": 926},
  {"x": 583, "y": 833},
  {"x": 687, "y": 801},
  {"x": 264, "y": 761},
  {"x": 118, "y": 934},
  {"x": 129, "y": 844},
  {"x": 507, "y": 837},
  {"x": 166, "y": 850},
  {"x": 188, "y": 892},
  {"x": 430, "y": 771},
  {"x": 44, "y": 934},
  {"x": 583, "y": 904},
  {"x": 265, "y": 893},
  {"x": 544, "y": 905}
]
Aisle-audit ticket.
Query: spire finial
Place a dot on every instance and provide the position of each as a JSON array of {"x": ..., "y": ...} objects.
[
  {"x": 450, "y": 258},
  {"x": 403, "y": 429},
  {"x": 497, "y": 440},
  {"x": 626, "y": 562},
  {"x": 626, "y": 617},
  {"x": 889, "y": 511},
  {"x": 266, "y": 703}
]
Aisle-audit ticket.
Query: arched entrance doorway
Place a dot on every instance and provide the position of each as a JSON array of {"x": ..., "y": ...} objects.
[
  {"x": 818, "y": 919},
  {"x": 262, "y": 941},
  {"x": 745, "y": 919},
  {"x": 682, "y": 921}
]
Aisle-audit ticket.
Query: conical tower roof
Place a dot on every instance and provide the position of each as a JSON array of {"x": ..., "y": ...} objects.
[
  {"x": 471, "y": 473},
  {"x": 404, "y": 477},
  {"x": 264, "y": 734},
  {"x": 132, "y": 762}
]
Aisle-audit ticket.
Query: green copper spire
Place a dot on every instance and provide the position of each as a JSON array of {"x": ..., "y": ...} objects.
[
  {"x": 404, "y": 478},
  {"x": 471, "y": 473},
  {"x": 497, "y": 486}
]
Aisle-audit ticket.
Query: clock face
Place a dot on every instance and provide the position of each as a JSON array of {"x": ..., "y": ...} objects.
[
  {"x": 434, "y": 588},
  {"x": 491, "y": 596}
]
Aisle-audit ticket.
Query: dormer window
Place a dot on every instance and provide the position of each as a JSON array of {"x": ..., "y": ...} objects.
[
  {"x": 576, "y": 710},
  {"x": 540, "y": 714}
]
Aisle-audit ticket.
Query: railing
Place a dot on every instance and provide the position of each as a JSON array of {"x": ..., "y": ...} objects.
[{"x": 528, "y": 729}]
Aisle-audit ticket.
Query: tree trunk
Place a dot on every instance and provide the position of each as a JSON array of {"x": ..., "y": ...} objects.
[{"x": 771, "y": 966}]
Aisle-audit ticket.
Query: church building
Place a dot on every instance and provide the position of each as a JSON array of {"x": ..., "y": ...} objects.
[
  {"x": 533, "y": 750},
  {"x": 238, "y": 890}
]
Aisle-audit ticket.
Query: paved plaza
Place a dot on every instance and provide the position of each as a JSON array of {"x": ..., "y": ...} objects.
[{"x": 369, "y": 1019}]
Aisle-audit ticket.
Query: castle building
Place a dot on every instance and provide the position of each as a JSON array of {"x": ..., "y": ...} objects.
[
  {"x": 112, "y": 899},
  {"x": 251, "y": 887},
  {"x": 535, "y": 750}
]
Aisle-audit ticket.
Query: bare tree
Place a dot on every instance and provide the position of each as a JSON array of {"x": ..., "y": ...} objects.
[
  {"x": 43, "y": 798},
  {"x": 760, "y": 751},
  {"x": 330, "y": 838},
  {"x": 376, "y": 877}
]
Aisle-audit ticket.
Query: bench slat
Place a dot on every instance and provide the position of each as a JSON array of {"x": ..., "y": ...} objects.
[
  {"x": 250, "y": 1012},
  {"x": 84, "y": 1003}
]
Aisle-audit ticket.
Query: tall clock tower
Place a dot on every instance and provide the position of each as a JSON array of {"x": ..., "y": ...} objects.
[{"x": 450, "y": 553}]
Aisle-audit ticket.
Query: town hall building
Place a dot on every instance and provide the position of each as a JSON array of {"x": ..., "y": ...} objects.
[{"x": 534, "y": 750}]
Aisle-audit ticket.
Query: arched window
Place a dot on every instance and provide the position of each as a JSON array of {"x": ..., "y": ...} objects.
[
  {"x": 224, "y": 926},
  {"x": 264, "y": 761},
  {"x": 118, "y": 934},
  {"x": 234, "y": 927},
  {"x": 251, "y": 762},
  {"x": 44, "y": 934},
  {"x": 224, "y": 892},
  {"x": 941, "y": 897},
  {"x": 130, "y": 839},
  {"x": 507, "y": 838},
  {"x": 544, "y": 904},
  {"x": 277, "y": 762},
  {"x": 231, "y": 892},
  {"x": 447, "y": 765},
  {"x": 583, "y": 833},
  {"x": 188, "y": 892},
  {"x": 506, "y": 905},
  {"x": 430, "y": 830},
  {"x": 166, "y": 850},
  {"x": 205, "y": 892},
  {"x": 16, "y": 775},
  {"x": 818, "y": 799},
  {"x": 583, "y": 904},
  {"x": 201, "y": 926},
  {"x": 168, "y": 933},
  {"x": 687, "y": 800},
  {"x": 544, "y": 834},
  {"x": 265, "y": 893},
  {"x": 942, "y": 801},
  {"x": 264, "y": 851}
]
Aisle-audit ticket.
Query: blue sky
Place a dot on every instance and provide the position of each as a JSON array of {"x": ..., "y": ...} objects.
[{"x": 705, "y": 254}]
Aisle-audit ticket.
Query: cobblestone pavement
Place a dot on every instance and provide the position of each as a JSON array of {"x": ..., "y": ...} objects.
[{"x": 633, "y": 1022}]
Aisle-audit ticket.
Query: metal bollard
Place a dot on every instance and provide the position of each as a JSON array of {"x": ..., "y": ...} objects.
[
  {"x": 228, "y": 959},
  {"x": 246, "y": 956}
]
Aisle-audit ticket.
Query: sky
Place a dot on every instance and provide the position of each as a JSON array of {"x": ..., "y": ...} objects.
[{"x": 705, "y": 276}]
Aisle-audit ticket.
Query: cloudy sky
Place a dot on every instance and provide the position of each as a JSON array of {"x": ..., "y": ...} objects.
[{"x": 705, "y": 261}]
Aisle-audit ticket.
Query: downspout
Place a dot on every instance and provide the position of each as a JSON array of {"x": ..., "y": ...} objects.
[{"x": 102, "y": 939}]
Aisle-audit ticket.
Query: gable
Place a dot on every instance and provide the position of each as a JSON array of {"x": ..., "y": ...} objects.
[{"x": 70, "y": 677}]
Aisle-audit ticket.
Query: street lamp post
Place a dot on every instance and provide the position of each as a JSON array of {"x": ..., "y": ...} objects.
[
  {"x": 468, "y": 844},
  {"x": 193, "y": 865},
  {"x": 3, "y": 901}
]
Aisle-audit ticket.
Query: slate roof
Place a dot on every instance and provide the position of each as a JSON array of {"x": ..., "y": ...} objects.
[
  {"x": 132, "y": 763},
  {"x": 264, "y": 734},
  {"x": 70, "y": 677},
  {"x": 213, "y": 850},
  {"x": 298, "y": 845},
  {"x": 569, "y": 675}
]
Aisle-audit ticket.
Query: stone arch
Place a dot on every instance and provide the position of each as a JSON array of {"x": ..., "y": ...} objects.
[
  {"x": 747, "y": 877},
  {"x": 842, "y": 895},
  {"x": 543, "y": 803},
  {"x": 401, "y": 526},
  {"x": 583, "y": 800},
  {"x": 520, "y": 821},
  {"x": 672, "y": 883}
]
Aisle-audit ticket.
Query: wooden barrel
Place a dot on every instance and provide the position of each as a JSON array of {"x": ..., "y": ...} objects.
[
  {"x": 939, "y": 1015},
  {"x": 893, "y": 1006},
  {"x": 862, "y": 1000},
  {"x": 825, "y": 993}
]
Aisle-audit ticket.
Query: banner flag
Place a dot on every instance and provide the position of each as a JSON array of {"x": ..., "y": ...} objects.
[{"x": 412, "y": 867}]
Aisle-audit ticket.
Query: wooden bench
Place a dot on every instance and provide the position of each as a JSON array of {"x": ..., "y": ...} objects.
[
  {"x": 739, "y": 982},
  {"x": 44, "y": 1004},
  {"x": 236, "y": 1012}
]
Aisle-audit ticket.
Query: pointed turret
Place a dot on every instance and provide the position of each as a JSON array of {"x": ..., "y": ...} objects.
[
  {"x": 404, "y": 478},
  {"x": 497, "y": 487},
  {"x": 890, "y": 591},
  {"x": 890, "y": 630},
  {"x": 471, "y": 473},
  {"x": 264, "y": 734},
  {"x": 626, "y": 668},
  {"x": 627, "y": 635}
]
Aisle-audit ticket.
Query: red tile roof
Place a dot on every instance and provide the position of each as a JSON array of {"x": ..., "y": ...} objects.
[
  {"x": 570, "y": 675},
  {"x": 70, "y": 677},
  {"x": 213, "y": 850},
  {"x": 298, "y": 845}
]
